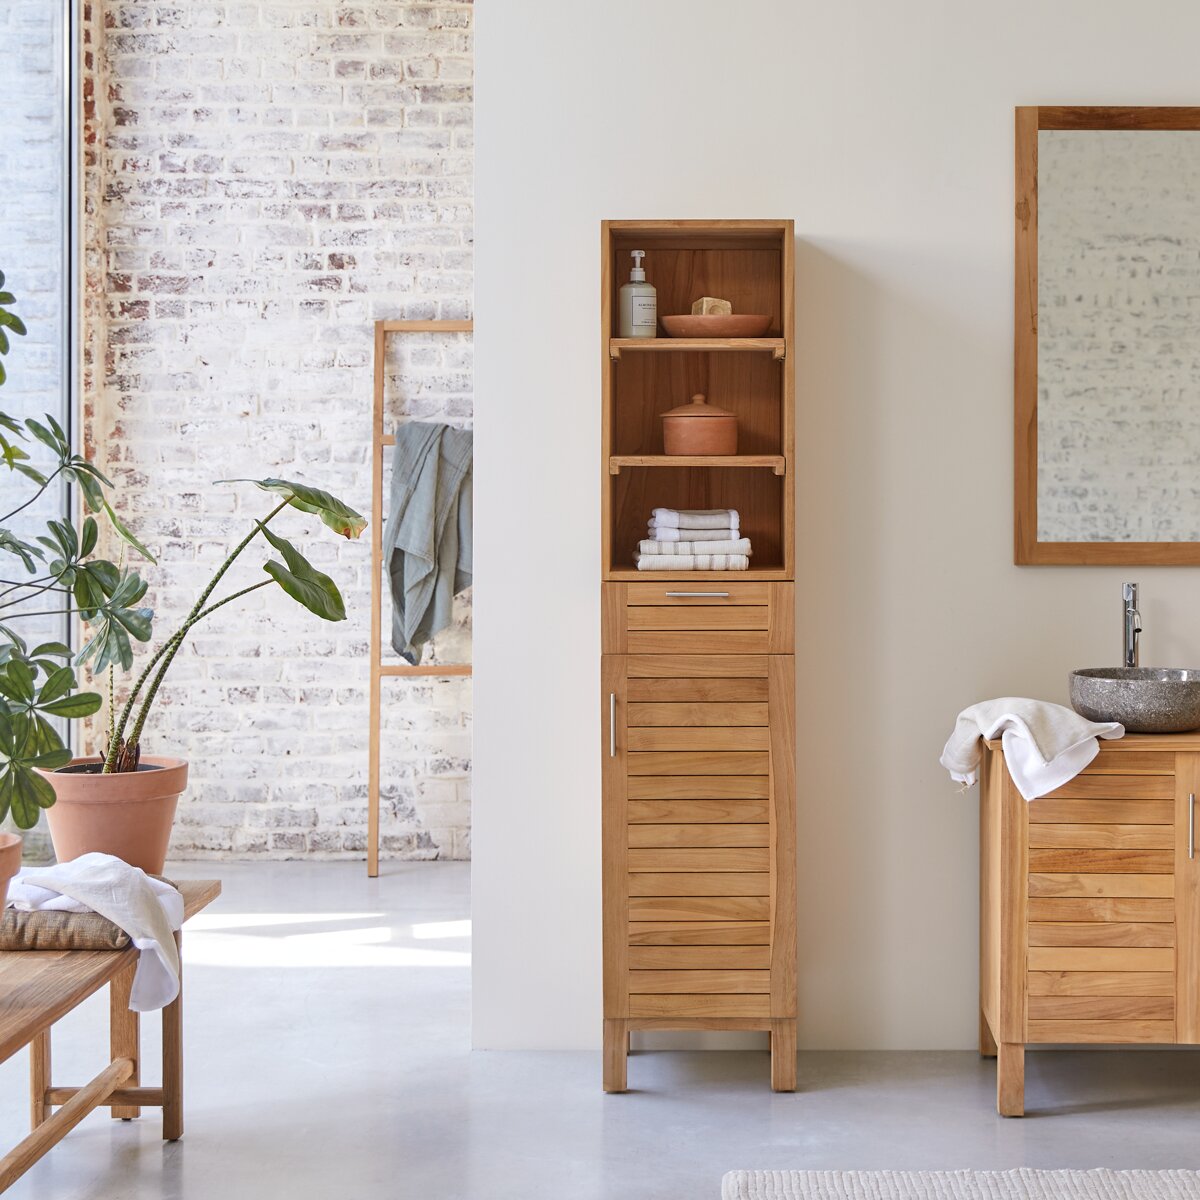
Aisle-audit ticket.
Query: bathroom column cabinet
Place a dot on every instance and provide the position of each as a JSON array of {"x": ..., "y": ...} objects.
[
  {"x": 698, "y": 669},
  {"x": 1090, "y": 906}
]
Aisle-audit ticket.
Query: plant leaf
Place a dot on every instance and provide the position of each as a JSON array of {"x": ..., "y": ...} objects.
[
  {"x": 123, "y": 530},
  {"x": 341, "y": 518},
  {"x": 302, "y": 581},
  {"x": 81, "y": 704}
]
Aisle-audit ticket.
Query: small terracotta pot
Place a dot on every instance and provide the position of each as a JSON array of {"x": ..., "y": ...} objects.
[
  {"x": 10, "y": 863},
  {"x": 699, "y": 428},
  {"x": 127, "y": 814}
]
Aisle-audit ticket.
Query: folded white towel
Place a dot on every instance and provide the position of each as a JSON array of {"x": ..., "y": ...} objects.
[
  {"x": 696, "y": 518},
  {"x": 1045, "y": 745},
  {"x": 693, "y": 562},
  {"x": 664, "y": 533},
  {"x": 147, "y": 909},
  {"x": 726, "y": 546}
]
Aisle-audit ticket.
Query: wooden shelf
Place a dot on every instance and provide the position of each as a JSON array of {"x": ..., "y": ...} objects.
[
  {"x": 776, "y": 347},
  {"x": 629, "y": 574},
  {"x": 776, "y": 462}
]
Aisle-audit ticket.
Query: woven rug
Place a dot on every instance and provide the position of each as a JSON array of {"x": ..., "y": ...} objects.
[{"x": 1024, "y": 1184}]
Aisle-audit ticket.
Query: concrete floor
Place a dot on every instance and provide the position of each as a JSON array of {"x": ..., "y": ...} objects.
[{"x": 327, "y": 1057}]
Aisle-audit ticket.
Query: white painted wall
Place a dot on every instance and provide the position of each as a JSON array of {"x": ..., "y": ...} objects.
[{"x": 885, "y": 130}]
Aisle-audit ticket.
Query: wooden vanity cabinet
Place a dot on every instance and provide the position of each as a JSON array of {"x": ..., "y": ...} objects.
[
  {"x": 1090, "y": 906},
  {"x": 698, "y": 742}
]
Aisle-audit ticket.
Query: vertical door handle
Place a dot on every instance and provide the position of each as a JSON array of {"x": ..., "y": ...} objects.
[
  {"x": 1191, "y": 825},
  {"x": 612, "y": 724}
]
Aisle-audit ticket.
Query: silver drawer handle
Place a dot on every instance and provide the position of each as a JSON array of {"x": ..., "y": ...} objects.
[
  {"x": 612, "y": 725},
  {"x": 674, "y": 594},
  {"x": 1191, "y": 825}
]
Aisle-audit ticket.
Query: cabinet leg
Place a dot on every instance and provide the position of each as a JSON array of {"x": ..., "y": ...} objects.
[
  {"x": 783, "y": 1055},
  {"x": 987, "y": 1043},
  {"x": 616, "y": 1052},
  {"x": 1010, "y": 1079}
]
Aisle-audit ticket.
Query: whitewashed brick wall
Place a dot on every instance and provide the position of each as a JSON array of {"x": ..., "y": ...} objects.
[{"x": 266, "y": 180}]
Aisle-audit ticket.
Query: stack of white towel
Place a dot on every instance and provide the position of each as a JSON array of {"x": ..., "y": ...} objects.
[{"x": 694, "y": 540}]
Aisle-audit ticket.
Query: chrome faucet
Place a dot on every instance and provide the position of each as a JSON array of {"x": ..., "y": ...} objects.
[{"x": 1133, "y": 623}]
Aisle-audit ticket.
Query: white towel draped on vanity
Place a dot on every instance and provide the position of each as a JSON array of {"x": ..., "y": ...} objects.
[{"x": 1045, "y": 745}]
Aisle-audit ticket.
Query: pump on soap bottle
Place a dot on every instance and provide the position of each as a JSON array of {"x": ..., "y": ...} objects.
[{"x": 639, "y": 302}]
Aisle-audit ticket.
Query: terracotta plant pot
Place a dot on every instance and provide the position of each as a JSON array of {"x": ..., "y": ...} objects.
[
  {"x": 10, "y": 863},
  {"x": 699, "y": 428},
  {"x": 128, "y": 815}
]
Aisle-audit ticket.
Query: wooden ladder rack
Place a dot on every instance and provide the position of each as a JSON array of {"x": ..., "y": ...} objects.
[{"x": 379, "y": 669}]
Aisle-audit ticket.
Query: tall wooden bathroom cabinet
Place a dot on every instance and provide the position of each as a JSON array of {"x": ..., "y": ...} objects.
[{"x": 698, "y": 738}]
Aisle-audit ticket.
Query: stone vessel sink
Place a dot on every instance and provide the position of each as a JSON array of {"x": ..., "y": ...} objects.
[{"x": 1143, "y": 699}]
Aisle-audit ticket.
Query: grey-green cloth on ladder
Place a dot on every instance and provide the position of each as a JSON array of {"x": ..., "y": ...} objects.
[{"x": 427, "y": 538}]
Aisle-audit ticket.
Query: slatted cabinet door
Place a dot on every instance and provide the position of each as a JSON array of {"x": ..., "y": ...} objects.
[{"x": 699, "y": 849}]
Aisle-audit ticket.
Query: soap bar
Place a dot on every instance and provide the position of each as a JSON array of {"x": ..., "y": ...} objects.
[{"x": 710, "y": 306}]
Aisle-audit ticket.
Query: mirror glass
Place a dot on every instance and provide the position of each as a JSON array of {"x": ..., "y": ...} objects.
[{"x": 1118, "y": 335}]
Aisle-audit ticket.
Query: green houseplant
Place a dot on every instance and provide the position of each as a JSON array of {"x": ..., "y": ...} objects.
[{"x": 124, "y": 802}]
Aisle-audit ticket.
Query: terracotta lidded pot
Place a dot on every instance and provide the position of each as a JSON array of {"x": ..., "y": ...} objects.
[
  {"x": 10, "y": 863},
  {"x": 699, "y": 428},
  {"x": 127, "y": 814}
]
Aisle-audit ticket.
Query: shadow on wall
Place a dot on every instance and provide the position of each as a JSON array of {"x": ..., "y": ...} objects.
[{"x": 879, "y": 848}]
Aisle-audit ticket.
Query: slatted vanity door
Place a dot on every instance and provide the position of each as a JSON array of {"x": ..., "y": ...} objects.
[
  {"x": 699, "y": 813},
  {"x": 1110, "y": 954}
]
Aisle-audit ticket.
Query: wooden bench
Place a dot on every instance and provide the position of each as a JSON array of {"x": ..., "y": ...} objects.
[{"x": 39, "y": 986}]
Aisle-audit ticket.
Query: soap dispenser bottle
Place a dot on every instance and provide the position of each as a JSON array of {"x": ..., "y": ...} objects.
[{"x": 639, "y": 302}]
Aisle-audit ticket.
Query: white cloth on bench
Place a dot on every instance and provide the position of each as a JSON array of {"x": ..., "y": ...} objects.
[{"x": 149, "y": 910}]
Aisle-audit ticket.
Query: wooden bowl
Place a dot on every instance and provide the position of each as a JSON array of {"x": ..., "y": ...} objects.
[{"x": 747, "y": 325}]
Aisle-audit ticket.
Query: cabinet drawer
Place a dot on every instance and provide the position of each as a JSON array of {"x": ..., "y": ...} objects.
[{"x": 698, "y": 618}]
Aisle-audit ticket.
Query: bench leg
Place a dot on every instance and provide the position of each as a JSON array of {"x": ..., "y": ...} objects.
[
  {"x": 172, "y": 1056},
  {"x": 124, "y": 1031},
  {"x": 39, "y": 1079}
]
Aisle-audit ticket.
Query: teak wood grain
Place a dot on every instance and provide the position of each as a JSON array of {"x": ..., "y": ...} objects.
[
  {"x": 677, "y": 958},
  {"x": 1101, "y": 1031},
  {"x": 681, "y": 1007},
  {"x": 699, "y": 933},
  {"x": 699, "y": 787},
  {"x": 754, "y": 858},
  {"x": 672, "y": 813},
  {"x": 690, "y": 738},
  {"x": 1102, "y": 933},
  {"x": 699, "y": 908},
  {"x": 1103, "y": 1008},
  {"x": 698, "y": 714},
  {"x": 699, "y": 691},
  {"x": 1187, "y": 905},
  {"x": 713, "y": 834},
  {"x": 1102, "y": 837},
  {"x": 1102, "y": 812},
  {"x": 1101, "y": 983},
  {"x": 1093, "y": 908},
  {"x": 699, "y": 883}
]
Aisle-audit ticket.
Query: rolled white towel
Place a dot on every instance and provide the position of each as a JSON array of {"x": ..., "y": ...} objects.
[
  {"x": 725, "y": 546},
  {"x": 696, "y": 518},
  {"x": 693, "y": 562},
  {"x": 664, "y": 533}
]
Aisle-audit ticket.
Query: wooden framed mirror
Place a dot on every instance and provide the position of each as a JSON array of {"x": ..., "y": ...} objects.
[{"x": 1107, "y": 336}]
